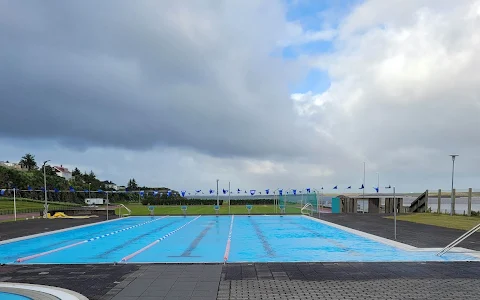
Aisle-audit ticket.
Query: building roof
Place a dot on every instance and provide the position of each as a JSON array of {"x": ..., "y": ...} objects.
[{"x": 61, "y": 169}]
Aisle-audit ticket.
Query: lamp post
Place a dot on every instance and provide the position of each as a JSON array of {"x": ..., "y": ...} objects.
[
  {"x": 394, "y": 212},
  {"x": 45, "y": 211},
  {"x": 89, "y": 190},
  {"x": 218, "y": 199},
  {"x": 452, "y": 201}
]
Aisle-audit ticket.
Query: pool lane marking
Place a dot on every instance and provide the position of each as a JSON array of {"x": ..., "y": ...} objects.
[
  {"x": 263, "y": 239},
  {"x": 106, "y": 253},
  {"x": 193, "y": 245},
  {"x": 22, "y": 259},
  {"x": 229, "y": 240},
  {"x": 130, "y": 256}
]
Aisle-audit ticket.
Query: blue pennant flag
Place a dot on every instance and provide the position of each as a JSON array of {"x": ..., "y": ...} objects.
[
  {"x": 308, "y": 190},
  {"x": 259, "y": 193},
  {"x": 294, "y": 192},
  {"x": 388, "y": 187},
  {"x": 29, "y": 188},
  {"x": 43, "y": 189},
  {"x": 189, "y": 194},
  {"x": 141, "y": 193},
  {"x": 183, "y": 193},
  {"x": 85, "y": 191},
  {"x": 267, "y": 191},
  {"x": 335, "y": 187},
  {"x": 197, "y": 191},
  {"x": 2, "y": 192},
  {"x": 252, "y": 192},
  {"x": 224, "y": 191},
  {"x": 238, "y": 191},
  {"x": 210, "y": 191},
  {"x": 376, "y": 189},
  {"x": 280, "y": 192},
  {"x": 169, "y": 193},
  {"x": 155, "y": 193},
  {"x": 245, "y": 192},
  {"x": 348, "y": 188},
  {"x": 56, "y": 190},
  {"x": 100, "y": 191},
  {"x": 72, "y": 189},
  {"x": 362, "y": 187}
]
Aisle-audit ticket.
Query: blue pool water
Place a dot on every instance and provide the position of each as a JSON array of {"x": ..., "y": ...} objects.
[
  {"x": 209, "y": 239},
  {"x": 9, "y": 296}
]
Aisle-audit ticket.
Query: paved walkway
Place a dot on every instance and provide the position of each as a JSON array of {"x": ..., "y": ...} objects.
[
  {"x": 10, "y": 230},
  {"x": 418, "y": 235}
]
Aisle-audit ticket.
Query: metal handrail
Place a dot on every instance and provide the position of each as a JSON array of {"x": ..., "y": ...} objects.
[
  {"x": 129, "y": 211},
  {"x": 459, "y": 240},
  {"x": 308, "y": 205}
]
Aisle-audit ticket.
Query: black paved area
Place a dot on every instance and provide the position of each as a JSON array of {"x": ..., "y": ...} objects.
[
  {"x": 351, "y": 281},
  {"x": 10, "y": 230},
  {"x": 169, "y": 282},
  {"x": 92, "y": 281},
  {"x": 418, "y": 235}
]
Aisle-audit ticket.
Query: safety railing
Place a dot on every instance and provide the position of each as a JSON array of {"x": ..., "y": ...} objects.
[
  {"x": 459, "y": 240},
  {"x": 305, "y": 207}
]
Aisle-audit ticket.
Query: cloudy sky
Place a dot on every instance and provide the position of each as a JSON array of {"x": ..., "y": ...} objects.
[{"x": 264, "y": 94}]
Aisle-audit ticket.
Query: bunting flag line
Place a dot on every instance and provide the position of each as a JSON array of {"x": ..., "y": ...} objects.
[
  {"x": 252, "y": 192},
  {"x": 349, "y": 187},
  {"x": 362, "y": 187},
  {"x": 335, "y": 187}
]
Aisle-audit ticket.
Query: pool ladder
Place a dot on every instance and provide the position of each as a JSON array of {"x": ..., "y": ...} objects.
[
  {"x": 305, "y": 207},
  {"x": 459, "y": 240},
  {"x": 124, "y": 215}
]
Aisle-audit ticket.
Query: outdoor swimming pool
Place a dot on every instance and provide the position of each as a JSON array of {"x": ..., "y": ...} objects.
[{"x": 210, "y": 239}]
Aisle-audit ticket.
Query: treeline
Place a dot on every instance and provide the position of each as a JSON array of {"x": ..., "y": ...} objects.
[{"x": 184, "y": 201}]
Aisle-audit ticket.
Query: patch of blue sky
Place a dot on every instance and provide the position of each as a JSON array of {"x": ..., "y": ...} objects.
[
  {"x": 316, "y": 81},
  {"x": 314, "y": 14}
]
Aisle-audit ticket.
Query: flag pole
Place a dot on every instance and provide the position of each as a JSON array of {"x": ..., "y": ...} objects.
[
  {"x": 229, "y": 193},
  {"x": 363, "y": 200},
  {"x": 14, "y": 205}
]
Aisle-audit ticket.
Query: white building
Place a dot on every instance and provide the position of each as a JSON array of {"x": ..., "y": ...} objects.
[
  {"x": 110, "y": 185},
  {"x": 63, "y": 172}
]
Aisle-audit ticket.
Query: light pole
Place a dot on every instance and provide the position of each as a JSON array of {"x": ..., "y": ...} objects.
[
  {"x": 452, "y": 201},
  {"x": 45, "y": 211},
  {"x": 218, "y": 199},
  {"x": 89, "y": 190},
  {"x": 394, "y": 212}
]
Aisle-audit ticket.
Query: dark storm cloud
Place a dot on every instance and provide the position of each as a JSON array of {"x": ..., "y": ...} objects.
[{"x": 137, "y": 75}]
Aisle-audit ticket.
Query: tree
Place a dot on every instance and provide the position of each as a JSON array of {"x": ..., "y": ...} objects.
[
  {"x": 28, "y": 161},
  {"x": 132, "y": 184},
  {"x": 50, "y": 171},
  {"x": 76, "y": 172}
]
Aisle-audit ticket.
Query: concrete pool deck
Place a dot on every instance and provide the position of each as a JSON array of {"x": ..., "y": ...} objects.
[{"x": 432, "y": 280}]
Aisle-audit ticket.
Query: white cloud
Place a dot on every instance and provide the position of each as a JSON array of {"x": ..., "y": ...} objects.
[{"x": 405, "y": 88}]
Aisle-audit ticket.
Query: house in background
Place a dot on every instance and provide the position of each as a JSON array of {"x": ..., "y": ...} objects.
[
  {"x": 110, "y": 185},
  {"x": 63, "y": 172},
  {"x": 11, "y": 165}
]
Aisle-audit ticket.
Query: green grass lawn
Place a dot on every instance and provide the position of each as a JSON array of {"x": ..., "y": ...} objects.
[
  {"x": 6, "y": 205},
  {"x": 142, "y": 210},
  {"x": 456, "y": 222}
]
